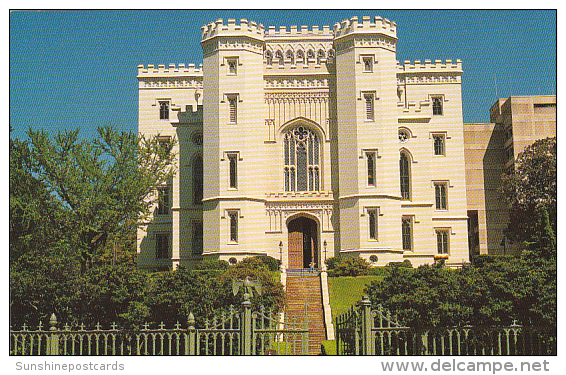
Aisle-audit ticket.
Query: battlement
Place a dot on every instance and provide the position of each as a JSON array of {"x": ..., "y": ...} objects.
[
  {"x": 302, "y": 31},
  {"x": 249, "y": 28},
  {"x": 368, "y": 25},
  {"x": 429, "y": 66},
  {"x": 170, "y": 70},
  {"x": 190, "y": 115}
]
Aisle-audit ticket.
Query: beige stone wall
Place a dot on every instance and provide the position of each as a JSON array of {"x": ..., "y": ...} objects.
[{"x": 181, "y": 87}]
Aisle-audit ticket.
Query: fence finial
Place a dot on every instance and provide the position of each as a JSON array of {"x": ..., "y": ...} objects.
[{"x": 53, "y": 322}]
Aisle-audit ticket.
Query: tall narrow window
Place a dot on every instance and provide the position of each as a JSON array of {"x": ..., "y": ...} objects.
[
  {"x": 233, "y": 159},
  {"x": 233, "y": 215},
  {"x": 442, "y": 241},
  {"x": 405, "y": 176},
  {"x": 163, "y": 200},
  {"x": 197, "y": 238},
  {"x": 440, "y": 194},
  {"x": 162, "y": 246},
  {"x": 197, "y": 180},
  {"x": 233, "y": 103},
  {"x": 437, "y": 106},
  {"x": 372, "y": 218},
  {"x": 407, "y": 233},
  {"x": 164, "y": 110},
  {"x": 302, "y": 168},
  {"x": 371, "y": 168},
  {"x": 369, "y": 106},
  {"x": 439, "y": 140}
]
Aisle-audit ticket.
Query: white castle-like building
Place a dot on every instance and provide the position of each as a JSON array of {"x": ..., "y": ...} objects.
[{"x": 303, "y": 143}]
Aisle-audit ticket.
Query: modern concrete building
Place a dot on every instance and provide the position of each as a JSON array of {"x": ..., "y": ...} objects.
[
  {"x": 304, "y": 143},
  {"x": 490, "y": 149}
]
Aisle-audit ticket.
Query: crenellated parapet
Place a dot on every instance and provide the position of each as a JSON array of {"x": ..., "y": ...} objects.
[
  {"x": 170, "y": 76},
  {"x": 437, "y": 72},
  {"x": 368, "y": 25},
  {"x": 169, "y": 70},
  {"x": 303, "y": 31},
  {"x": 430, "y": 66},
  {"x": 231, "y": 28}
]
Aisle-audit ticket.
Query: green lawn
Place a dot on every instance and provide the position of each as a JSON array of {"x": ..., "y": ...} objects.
[{"x": 347, "y": 290}]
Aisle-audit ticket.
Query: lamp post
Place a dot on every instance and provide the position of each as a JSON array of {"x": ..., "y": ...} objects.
[
  {"x": 325, "y": 244},
  {"x": 280, "y": 253}
]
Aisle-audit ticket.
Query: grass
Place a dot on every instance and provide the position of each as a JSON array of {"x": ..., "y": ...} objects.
[{"x": 345, "y": 291}]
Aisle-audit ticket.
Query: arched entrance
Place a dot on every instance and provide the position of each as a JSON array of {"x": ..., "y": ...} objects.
[{"x": 303, "y": 242}]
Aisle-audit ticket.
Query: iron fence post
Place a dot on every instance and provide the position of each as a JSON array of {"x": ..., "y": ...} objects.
[
  {"x": 53, "y": 343},
  {"x": 365, "y": 305},
  {"x": 191, "y": 335},
  {"x": 246, "y": 329}
]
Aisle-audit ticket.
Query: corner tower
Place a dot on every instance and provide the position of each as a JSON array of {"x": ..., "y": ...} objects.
[
  {"x": 232, "y": 139},
  {"x": 366, "y": 96}
]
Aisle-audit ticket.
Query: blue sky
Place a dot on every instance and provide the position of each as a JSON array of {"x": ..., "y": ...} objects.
[{"x": 72, "y": 69}]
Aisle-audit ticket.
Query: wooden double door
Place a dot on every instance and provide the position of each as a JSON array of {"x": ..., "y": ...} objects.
[{"x": 303, "y": 243}]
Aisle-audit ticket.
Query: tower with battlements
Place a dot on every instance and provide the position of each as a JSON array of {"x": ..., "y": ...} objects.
[{"x": 303, "y": 143}]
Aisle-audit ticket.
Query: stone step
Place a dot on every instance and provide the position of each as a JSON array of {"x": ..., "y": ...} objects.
[{"x": 303, "y": 288}]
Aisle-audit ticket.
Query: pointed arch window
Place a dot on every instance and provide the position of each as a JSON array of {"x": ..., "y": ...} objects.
[
  {"x": 268, "y": 57},
  {"x": 302, "y": 160},
  {"x": 405, "y": 176},
  {"x": 279, "y": 57},
  {"x": 290, "y": 57},
  {"x": 320, "y": 56}
]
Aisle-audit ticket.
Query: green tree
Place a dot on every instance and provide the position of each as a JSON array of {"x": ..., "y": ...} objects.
[
  {"x": 530, "y": 191},
  {"x": 104, "y": 186},
  {"x": 34, "y": 213}
]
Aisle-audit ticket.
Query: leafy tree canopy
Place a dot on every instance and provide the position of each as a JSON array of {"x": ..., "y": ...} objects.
[
  {"x": 91, "y": 191},
  {"x": 530, "y": 191}
]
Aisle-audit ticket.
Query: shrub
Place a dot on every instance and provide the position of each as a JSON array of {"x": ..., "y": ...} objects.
[
  {"x": 349, "y": 266},
  {"x": 404, "y": 264},
  {"x": 268, "y": 262}
]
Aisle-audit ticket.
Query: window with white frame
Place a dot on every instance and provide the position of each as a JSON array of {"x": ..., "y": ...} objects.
[
  {"x": 371, "y": 157},
  {"x": 442, "y": 241},
  {"x": 232, "y": 65},
  {"x": 439, "y": 144},
  {"x": 437, "y": 105},
  {"x": 405, "y": 175},
  {"x": 164, "y": 110},
  {"x": 373, "y": 214},
  {"x": 233, "y": 217},
  {"x": 441, "y": 195},
  {"x": 233, "y": 108},
  {"x": 407, "y": 232},
  {"x": 369, "y": 101},
  {"x": 368, "y": 64},
  {"x": 233, "y": 162}
]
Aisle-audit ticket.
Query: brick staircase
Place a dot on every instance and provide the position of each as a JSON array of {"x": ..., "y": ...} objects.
[{"x": 304, "y": 293}]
